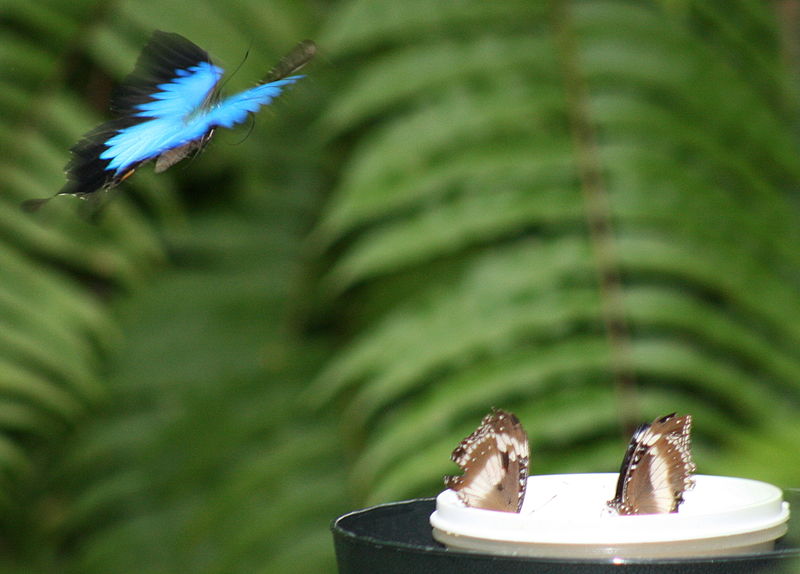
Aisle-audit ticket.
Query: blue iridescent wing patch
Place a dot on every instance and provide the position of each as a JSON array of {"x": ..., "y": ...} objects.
[{"x": 167, "y": 109}]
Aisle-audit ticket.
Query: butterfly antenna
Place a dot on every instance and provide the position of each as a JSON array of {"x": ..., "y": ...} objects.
[
  {"x": 298, "y": 57},
  {"x": 238, "y": 66},
  {"x": 252, "y": 125}
]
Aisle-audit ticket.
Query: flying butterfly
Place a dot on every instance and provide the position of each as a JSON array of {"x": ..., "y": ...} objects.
[
  {"x": 494, "y": 459},
  {"x": 657, "y": 468},
  {"x": 167, "y": 108}
]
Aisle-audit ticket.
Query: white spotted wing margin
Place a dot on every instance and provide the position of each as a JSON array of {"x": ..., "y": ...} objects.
[
  {"x": 494, "y": 459},
  {"x": 657, "y": 468}
]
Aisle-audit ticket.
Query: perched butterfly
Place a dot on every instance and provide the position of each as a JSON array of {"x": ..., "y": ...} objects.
[
  {"x": 657, "y": 468},
  {"x": 494, "y": 459},
  {"x": 168, "y": 108}
]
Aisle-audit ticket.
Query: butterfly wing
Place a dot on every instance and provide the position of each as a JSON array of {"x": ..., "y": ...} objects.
[
  {"x": 657, "y": 468},
  {"x": 298, "y": 57},
  {"x": 235, "y": 109},
  {"x": 173, "y": 81},
  {"x": 494, "y": 459},
  {"x": 172, "y": 78}
]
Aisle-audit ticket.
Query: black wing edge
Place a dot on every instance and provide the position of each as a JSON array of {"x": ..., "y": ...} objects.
[
  {"x": 624, "y": 468},
  {"x": 298, "y": 57},
  {"x": 86, "y": 172},
  {"x": 164, "y": 53}
]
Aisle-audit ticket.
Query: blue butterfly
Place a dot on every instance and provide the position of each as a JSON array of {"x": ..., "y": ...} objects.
[{"x": 168, "y": 108}]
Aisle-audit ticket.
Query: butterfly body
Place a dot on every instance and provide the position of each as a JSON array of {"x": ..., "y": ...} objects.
[
  {"x": 494, "y": 459},
  {"x": 657, "y": 468},
  {"x": 168, "y": 108}
]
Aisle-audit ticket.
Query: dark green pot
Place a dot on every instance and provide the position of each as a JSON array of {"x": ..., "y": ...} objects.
[{"x": 396, "y": 539}]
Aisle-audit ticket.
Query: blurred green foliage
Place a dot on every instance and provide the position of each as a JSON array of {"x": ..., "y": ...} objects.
[{"x": 585, "y": 212}]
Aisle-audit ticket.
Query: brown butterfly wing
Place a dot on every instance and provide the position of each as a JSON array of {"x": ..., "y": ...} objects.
[
  {"x": 494, "y": 459},
  {"x": 657, "y": 469}
]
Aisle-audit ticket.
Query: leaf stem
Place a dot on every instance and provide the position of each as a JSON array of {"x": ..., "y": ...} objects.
[{"x": 599, "y": 217}]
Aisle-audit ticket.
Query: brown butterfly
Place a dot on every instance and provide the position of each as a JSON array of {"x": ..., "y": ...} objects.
[
  {"x": 657, "y": 468},
  {"x": 494, "y": 459}
]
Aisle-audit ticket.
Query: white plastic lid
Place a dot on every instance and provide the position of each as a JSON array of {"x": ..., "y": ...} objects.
[{"x": 564, "y": 515}]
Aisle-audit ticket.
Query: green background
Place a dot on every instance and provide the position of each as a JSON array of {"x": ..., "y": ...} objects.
[{"x": 585, "y": 212}]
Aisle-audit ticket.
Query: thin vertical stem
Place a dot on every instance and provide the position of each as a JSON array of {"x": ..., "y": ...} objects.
[
  {"x": 599, "y": 217},
  {"x": 787, "y": 13}
]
